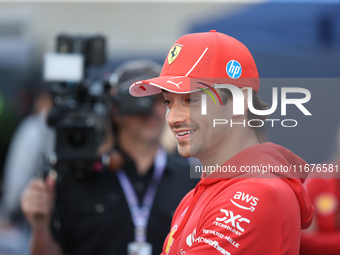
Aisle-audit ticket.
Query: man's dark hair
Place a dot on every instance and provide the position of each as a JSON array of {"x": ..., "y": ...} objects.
[{"x": 257, "y": 103}]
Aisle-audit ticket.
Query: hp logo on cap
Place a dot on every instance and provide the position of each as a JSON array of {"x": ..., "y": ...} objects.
[{"x": 234, "y": 69}]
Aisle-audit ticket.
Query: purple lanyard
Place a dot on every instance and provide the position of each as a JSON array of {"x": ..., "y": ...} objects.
[{"x": 140, "y": 215}]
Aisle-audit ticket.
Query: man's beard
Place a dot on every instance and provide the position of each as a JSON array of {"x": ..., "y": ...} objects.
[{"x": 189, "y": 149}]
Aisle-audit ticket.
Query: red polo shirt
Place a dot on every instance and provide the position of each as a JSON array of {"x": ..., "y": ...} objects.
[{"x": 244, "y": 213}]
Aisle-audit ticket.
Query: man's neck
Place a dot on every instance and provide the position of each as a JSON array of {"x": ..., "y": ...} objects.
[
  {"x": 227, "y": 149},
  {"x": 141, "y": 152}
]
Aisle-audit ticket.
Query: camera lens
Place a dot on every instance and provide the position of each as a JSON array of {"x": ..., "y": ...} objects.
[{"x": 77, "y": 139}]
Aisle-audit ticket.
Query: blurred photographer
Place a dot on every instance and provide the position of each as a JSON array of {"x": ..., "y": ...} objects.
[{"x": 128, "y": 209}]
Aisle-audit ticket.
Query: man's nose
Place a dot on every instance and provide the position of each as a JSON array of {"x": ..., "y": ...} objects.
[{"x": 177, "y": 114}]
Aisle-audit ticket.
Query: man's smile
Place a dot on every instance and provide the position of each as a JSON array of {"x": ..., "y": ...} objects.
[{"x": 183, "y": 134}]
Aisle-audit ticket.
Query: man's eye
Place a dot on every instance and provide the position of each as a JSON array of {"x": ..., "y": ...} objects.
[
  {"x": 191, "y": 100},
  {"x": 167, "y": 102}
]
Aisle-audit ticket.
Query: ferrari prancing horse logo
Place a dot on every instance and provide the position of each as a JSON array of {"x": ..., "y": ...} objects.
[{"x": 174, "y": 52}]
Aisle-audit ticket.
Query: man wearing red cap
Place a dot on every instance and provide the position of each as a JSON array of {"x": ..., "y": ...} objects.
[{"x": 231, "y": 211}]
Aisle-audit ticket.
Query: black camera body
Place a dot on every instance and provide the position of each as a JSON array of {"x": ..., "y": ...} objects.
[
  {"x": 80, "y": 129},
  {"x": 81, "y": 106}
]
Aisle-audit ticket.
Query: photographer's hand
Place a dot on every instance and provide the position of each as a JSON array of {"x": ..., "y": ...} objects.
[{"x": 37, "y": 202}]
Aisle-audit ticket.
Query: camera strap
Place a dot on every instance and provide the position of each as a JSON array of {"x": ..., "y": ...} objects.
[{"x": 140, "y": 214}]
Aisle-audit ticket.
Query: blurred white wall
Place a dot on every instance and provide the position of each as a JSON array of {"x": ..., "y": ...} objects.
[{"x": 132, "y": 29}]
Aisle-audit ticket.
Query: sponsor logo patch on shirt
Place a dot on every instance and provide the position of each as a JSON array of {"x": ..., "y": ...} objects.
[
  {"x": 233, "y": 223},
  {"x": 244, "y": 201},
  {"x": 171, "y": 239}
]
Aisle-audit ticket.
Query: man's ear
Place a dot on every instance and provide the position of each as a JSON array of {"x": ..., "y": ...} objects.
[
  {"x": 245, "y": 104},
  {"x": 245, "y": 95}
]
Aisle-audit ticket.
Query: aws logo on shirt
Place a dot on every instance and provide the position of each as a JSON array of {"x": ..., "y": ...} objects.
[{"x": 250, "y": 200}]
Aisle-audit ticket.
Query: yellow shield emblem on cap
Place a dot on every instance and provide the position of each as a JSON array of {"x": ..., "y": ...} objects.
[{"x": 173, "y": 53}]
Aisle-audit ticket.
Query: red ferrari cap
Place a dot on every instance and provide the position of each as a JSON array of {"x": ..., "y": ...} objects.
[{"x": 201, "y": 60}]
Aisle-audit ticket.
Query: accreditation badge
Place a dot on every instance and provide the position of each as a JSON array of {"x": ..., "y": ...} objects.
[{"x": 139, "y": 248}]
